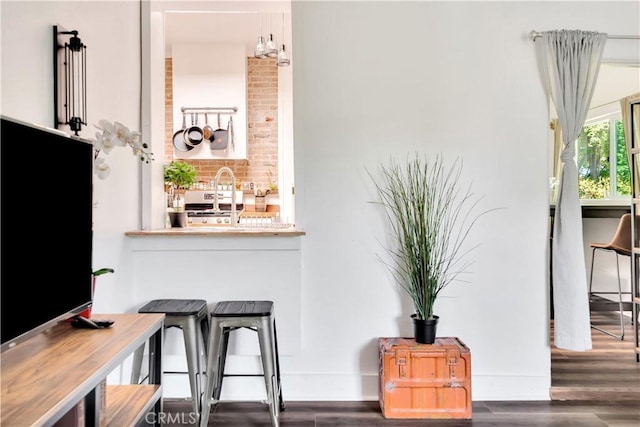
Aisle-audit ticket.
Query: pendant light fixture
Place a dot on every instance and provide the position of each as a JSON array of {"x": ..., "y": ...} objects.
[
  {"x": 283, "y": 56},
  {"x": 272, "y": 46},
  {"x": 261, "y": 49}
]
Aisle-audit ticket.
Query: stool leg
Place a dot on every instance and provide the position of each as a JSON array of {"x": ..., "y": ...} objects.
[
  {"x": 222, "y": 360},
  {"x": 204, "y": 328},
  {"x": 620, "y": 299},
  {"x": 192, "y": 346},
  {"x": 213, "y": 361},
  {"x": 137, "y": 365},
  {"x": 204, "y": 336},
  {"x": 268, "y": 353},
  {"x": 275, "y": 339}
]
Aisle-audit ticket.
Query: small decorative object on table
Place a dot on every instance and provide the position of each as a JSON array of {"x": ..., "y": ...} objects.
[{"x": 87, "y": 313}]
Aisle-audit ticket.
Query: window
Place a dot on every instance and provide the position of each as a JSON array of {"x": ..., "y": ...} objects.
[{"x": 603, "y": 166}]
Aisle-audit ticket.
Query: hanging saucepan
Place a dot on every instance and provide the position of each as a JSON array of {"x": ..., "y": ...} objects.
[
  {"x": 220, "y": 138},
  {"x": 207, "y": 131},
  {"x": 178, "y": 137},
  {"x": 193, "y": 135}
]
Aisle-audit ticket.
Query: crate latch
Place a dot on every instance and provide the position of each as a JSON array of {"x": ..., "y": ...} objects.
[
  {"x": 402, "y": 360},
  {"x": 453, "y": 359}
]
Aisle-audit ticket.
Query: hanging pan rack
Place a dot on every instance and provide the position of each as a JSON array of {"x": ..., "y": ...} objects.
[
  {"x": 218, "y": 138},
  {"x": 221, "y": 110}
]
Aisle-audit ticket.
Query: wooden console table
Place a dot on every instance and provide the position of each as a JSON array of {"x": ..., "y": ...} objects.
[{"x": 49, "y": 374}]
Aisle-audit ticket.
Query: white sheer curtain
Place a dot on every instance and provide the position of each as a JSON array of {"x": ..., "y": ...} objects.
[
  {"x": 557, "y": 164},
  {"x": 569, "y": 62}
]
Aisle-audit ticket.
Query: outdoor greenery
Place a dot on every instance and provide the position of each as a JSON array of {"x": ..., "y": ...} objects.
[
  {"x": 594, "y": 164},
  {"x": 430, "y": 215}
]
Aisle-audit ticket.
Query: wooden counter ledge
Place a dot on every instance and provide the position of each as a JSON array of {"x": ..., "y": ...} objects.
[{"x": 217, "y": 231}]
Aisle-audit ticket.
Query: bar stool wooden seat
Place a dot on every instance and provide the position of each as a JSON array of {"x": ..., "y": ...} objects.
[
  {"x": 226, "y": 317},
  {"x": 192, "y": 317}
]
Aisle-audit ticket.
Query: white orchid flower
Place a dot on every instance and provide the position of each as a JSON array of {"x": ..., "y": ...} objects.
[
  {"x": 105, "y": 126},
  {"x": 117, "y": 135},
  {"x": 101, "y": 168},
  {"x": 121, "y": 134},
  {"x": 104, "y": 142},
  {"x": 135, "y": 142}
]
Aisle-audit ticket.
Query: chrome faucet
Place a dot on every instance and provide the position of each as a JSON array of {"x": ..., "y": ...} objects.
[{"x": 216, "y": 205}]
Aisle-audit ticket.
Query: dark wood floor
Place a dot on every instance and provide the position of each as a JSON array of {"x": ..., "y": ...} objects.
[
  {"x": 601, "y": 388},
  {"x": 607, "y": 372},
  {"x": 367, "y": 414}
]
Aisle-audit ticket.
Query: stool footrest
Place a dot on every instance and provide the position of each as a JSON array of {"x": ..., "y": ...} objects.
[
  {"x": 233, "y": 328},
  {"x": 243, "y": 375}
]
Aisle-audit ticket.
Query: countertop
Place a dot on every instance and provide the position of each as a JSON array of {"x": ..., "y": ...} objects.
[
  {"x": 600, "y": 210},
  {"x": 218, "y": 231}
]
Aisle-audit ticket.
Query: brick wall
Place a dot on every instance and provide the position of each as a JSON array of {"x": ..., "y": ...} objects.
[{"x": 262, "y": 123}]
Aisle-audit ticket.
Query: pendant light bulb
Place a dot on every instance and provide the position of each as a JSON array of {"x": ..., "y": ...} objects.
[
  {"x": 283, "y": 58},
  {"x": 272, "y": 47},
  {"x": 261, "y": 49}
]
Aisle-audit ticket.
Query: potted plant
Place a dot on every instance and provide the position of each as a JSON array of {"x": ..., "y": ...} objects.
[
  {"x": 94, "y": 275},
  {"x": 178, "y": 177},
  {"x": 430, "y": 217}
]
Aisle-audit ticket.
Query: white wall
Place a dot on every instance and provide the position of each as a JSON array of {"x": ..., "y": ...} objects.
[
  {"x": 110, "y": 30},
  {"x": 202, "y": 79},
  {"x": 371, "y": 80},
  {"x": 375, "y": 79}
]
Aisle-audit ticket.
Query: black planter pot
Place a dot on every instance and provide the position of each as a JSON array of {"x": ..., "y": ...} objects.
[
  {"x": 424, "y": 330},
  {"x": 178, "y": 219}
]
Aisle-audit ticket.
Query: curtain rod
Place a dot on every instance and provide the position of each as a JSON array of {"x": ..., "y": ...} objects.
[{"x": 535, "y": 34}]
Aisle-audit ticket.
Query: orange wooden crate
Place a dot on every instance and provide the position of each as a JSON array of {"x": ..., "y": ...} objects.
[{"x": 424, "y": 380}]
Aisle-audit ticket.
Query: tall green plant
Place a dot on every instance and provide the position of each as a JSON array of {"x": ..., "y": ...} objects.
[{"x": 430, "y": 217}]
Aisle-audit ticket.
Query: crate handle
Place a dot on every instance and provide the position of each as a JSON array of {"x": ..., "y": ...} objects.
[{"x": 402, "y": 360}]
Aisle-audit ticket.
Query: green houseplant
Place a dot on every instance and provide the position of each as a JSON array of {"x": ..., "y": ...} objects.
[
  {"x": 430, "y": 217},
  {"x": 178, "y": 177}
]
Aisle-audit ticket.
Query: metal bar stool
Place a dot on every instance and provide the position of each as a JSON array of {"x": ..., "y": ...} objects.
[
  {"x": 191, "y": 316},
  {"x": 226, "y": 317},
  {"x": 621, "y": 246}
]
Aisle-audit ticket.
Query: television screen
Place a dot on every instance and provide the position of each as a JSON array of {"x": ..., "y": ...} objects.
[{"x": 46, "y": 226}]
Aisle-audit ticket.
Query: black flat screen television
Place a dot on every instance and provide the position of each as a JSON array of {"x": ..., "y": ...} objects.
[{"x": 46, "y": 180}]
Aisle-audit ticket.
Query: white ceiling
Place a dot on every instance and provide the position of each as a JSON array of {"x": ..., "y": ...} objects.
[
  {"x": 228, "y": 27},
  {"x": 614, "y": 83}
]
